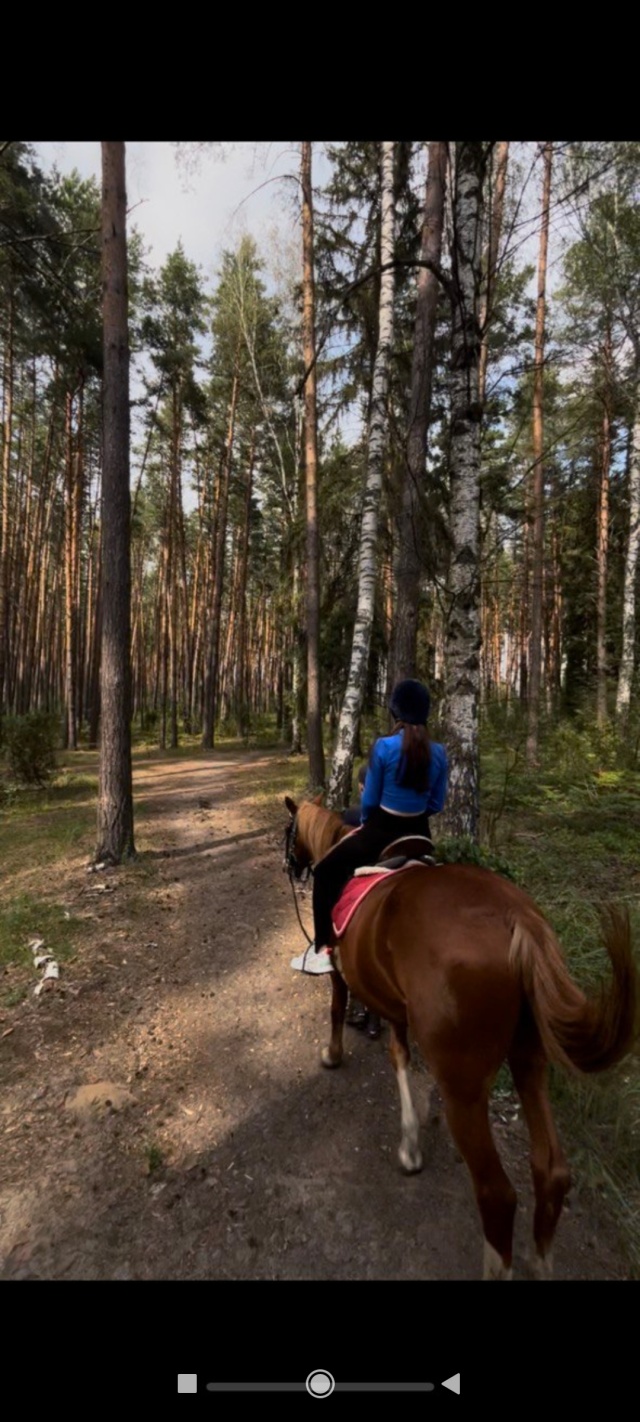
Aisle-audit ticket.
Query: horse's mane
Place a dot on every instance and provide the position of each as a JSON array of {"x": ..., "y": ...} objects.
[{"x": 319, "y": 828}]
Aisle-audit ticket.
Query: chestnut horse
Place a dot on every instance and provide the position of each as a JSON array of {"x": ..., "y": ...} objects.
[{"x": 464, "y": 962}]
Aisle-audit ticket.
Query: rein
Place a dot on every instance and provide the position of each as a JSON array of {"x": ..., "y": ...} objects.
[
  {"x": 294, "y": 870},
  {"x": 297, "y": 908},
  {"x": 291, "y": 866}
]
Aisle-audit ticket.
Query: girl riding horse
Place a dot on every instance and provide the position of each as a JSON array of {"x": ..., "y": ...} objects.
[{"x": 406, "y": 782}]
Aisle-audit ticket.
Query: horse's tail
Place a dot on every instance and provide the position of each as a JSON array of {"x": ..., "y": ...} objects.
[{"x": 586, "y": 1034}]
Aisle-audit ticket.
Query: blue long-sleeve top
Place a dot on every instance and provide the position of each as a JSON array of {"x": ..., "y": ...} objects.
[{"x": 381, "y": 785}]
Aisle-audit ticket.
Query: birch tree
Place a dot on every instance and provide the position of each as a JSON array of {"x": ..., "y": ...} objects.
[
  {"x": 314, "y": 714},
  {"x": 348, "y": 724},
  {"x": 409, "y": 557},
  {"x": 462, "y": 646},
  {"x": 627, "y": 659}
]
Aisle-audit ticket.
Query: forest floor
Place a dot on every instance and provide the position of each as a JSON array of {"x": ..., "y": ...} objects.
[{"x": 221, "y": 1149}]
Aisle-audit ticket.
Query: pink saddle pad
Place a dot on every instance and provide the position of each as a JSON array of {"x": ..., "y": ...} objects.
[{"x": 354, "y": 893}]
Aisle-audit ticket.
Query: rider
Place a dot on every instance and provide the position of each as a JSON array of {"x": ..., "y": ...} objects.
[{"x": 406, "y": 782}]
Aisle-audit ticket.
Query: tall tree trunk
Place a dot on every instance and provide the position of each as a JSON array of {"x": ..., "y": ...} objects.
[
  {"x": 537, "y": 549},
  {"x": 94, "y": 674},
  {"x": 523, "y": 621},
  {"x": 213, "y": 649},
  {"x": 500, "y": 162},
  {"x": 462, "y": 654},
  {"x": 5, "y": 471},
  {"x": 314, "y": 704},
  {"x": 77, "y": 563},
  {"x": 297, "y": 667},
  {"x": 240, "y": 690},
  {"x": 71, "y": 725},
  {"x": 348, "y": 725},
  {"x": 627, "y": 660},
  {"x": 602, "y": 547},
  {"x": 556, "y": 615},
  {"x": 115, "y": 805},
  {"x": 410, "y": 552}
]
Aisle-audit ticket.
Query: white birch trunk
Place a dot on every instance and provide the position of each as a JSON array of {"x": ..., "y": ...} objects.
[
  {"x": 342, "y": 767},
  {"x": 463, "y": 636},
  {"x": 625, "y": 676},
  {"x": 412, "y": 534}
]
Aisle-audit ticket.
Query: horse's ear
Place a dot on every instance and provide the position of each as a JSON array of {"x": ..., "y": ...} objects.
[
  {"x": 291, "y": 806},
  {"x": 319, "y": 798}
]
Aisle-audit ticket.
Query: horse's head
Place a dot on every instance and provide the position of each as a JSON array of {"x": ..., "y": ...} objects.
[{"x": 297, "y": 851}]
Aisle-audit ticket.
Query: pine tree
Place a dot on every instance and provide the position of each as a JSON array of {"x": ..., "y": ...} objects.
[{"x": 115, "y": 805}]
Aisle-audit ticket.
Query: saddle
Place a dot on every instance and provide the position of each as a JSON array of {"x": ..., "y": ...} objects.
[{"x": 409, "y": 849}]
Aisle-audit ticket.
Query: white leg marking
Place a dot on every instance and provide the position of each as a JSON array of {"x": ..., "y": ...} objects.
[
  {"x": 409, "y": 1153},
  {"x": 494, "y": 1266},
  {"x": 543, "y": 1266}
]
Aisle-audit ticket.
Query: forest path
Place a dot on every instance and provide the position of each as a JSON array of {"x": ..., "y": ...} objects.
[{"x": 228, "y": 1152}]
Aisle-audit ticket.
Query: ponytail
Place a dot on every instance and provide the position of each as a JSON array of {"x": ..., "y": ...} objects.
[{"x": 413, "y": 770}]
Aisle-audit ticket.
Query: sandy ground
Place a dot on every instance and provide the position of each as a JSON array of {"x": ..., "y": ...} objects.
[{"x": 222, "y": 1149}]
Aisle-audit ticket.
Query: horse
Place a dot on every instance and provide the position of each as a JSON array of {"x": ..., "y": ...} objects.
[{"x": 465, "y": 963}]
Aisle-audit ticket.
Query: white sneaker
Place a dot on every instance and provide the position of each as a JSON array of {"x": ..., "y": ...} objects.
[{"x": 312, "y": 962}]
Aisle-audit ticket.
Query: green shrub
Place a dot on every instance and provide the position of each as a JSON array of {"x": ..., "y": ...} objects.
[
  {"x": 465, "y": 851},
  {"x": 30, "y": 743}
]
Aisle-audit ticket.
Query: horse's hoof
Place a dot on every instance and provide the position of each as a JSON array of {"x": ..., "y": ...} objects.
[
  {"x": 327, "y": 1058},
  {"x": 411, "y": 1164},
  {"x": 374, "y": 1028}
]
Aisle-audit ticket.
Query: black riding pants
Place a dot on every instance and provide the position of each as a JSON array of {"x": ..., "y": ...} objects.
[{"x": 362, "y": 848}]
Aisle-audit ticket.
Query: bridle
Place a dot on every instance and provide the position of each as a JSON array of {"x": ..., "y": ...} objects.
[{"x": 294, "y": 869}]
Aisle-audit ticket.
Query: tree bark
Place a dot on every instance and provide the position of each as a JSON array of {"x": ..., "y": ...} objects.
[
  {"x": 7, "y": 432},
  {"x": 348, "y": 725},
  {"x": 537, "y": 550},
  {"x": 115, "y": 805},
  {"x": 71, "y": 729},
  {"x": 240, "y": 687},
  {"x": 211, "y": 675},
  {"x": 314, "y": 705},
  {"x": 493, "y": 248},
  {"x": 409, "y": 558},
  {"x": 463, "y": 638},
  {"x": 627, "y": 660},
  {"x": 602, "y": 545}
]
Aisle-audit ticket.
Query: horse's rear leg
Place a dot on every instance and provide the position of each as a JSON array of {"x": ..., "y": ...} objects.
[
  {"x": 409, "y": 1153},
  {"x": 551, "y": 1177},
  {"x": 496, "y": 1197},
  {"x": 332, "y": 1055}
]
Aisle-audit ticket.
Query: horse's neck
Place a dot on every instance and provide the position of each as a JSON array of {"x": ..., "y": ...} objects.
[{"x": 323, "y": 830}]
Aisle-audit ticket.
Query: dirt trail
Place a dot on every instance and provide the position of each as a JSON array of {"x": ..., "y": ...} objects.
[{"x": 228, "y": 1152}]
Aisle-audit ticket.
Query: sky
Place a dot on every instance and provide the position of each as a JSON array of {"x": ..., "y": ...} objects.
[
  {"x": 207, "y": 204},
  {"x": 208, "y": 199}
]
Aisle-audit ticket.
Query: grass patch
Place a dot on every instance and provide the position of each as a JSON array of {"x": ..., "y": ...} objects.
[
  {"x": 285, "y": 776},
  {"x": 15, "y": 996},
  {"x": 155, "y": 1159},
  {"x": 42, "y": 827},
  {"x": 27, "y": 917},
  {"x": 571, "y": 832}
]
